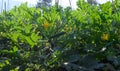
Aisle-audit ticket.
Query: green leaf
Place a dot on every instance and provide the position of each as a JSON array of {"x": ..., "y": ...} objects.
[
  {"x": 7, "y": 62},
  {"x": 14, "y": 36},
  {"x": 28, "y": 28},
  {"x": 29, "y": 41},
  {"x": 15, "y": 49},
  {"x": 34, "y": 37}
]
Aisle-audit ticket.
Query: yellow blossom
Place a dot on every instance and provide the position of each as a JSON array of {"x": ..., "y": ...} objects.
[
  {"x": 46, "y": 25},
  {"x": 105, "y": 37}
]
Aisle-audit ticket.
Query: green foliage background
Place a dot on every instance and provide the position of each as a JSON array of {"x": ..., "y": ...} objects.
[{"x": 72, "y": 41}]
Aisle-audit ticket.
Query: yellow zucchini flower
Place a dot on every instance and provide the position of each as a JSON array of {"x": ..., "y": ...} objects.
[
  {"x": 46, "y": 25},
  {"x": 105, "y": 37}
]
